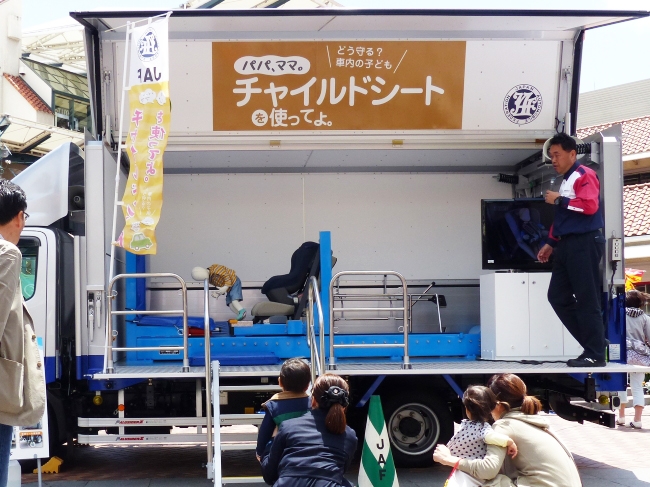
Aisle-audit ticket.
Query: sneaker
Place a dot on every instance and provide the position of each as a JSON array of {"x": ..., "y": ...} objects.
[
  {"x": 635, "y": 424},
  {"x": 241, "y": 315},
  {"x": 584, "y": 354},
  {"x": 585, "y": 362},
  {"x": 620, "y": 421}
]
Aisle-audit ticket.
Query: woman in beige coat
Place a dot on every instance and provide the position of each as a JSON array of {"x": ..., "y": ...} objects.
[{"x": 542, "y": 460}]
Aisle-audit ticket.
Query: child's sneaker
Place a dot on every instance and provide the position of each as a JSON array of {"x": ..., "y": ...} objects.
[
  {"x": 620, "y": 421},
  {"x": 241, "y": 315},
  {"x": 635, "y": 424}
]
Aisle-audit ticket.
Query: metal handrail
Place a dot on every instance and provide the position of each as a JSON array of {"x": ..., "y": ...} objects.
[
  {"x": 317, "y": 358},
  {"x": 420, "y": 296},
  {"x": 207, "y": 334},
  {"x": 369, "y": 297},
  {"x": 406, "y": 363},
  {"x": 386, "y": 297},
  {"x": 110, "y": 366}
]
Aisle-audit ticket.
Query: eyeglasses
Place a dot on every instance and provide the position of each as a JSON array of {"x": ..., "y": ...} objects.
[{"x": 26, "y": 215}]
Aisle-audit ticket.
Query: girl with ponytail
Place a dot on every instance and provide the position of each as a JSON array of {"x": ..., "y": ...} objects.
[
  {"x": 331, "y": 393},
  {"x": 542, "y": 460},
  {"x": 314, "y": 450},
  {"x": 510, "y": 392}
]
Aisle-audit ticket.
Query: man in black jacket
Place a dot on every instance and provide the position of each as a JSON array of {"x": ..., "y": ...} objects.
[{"x": 577, "y": 243}]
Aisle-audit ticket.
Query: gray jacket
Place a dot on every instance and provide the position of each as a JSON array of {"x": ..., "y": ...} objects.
[
  {"x": 542, "y": 460},
  {"x": 22, "y": 378},
  {"x": 637, "y": 324}
]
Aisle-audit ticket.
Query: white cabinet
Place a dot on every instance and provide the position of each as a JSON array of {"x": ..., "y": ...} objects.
[
  {"x": 517, "y": 322},
  {"x": 546, "y": 329},
  {"x": 571, "y": 346}
]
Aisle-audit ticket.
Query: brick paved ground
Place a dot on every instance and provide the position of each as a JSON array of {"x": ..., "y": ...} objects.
[{"x": 606, "y": 458}]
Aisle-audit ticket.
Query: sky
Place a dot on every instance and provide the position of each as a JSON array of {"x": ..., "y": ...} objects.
[{"x": 612, "y": 55}]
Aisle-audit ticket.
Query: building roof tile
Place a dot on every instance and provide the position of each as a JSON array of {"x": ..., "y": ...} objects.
[
  {"x": 636, "y": 207},
  {"x": 30, "y": 95},
  {"x": 636, "y": 134}
]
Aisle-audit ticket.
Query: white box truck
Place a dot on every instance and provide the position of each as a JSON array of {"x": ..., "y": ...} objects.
[{"x": 383, "y": 136}]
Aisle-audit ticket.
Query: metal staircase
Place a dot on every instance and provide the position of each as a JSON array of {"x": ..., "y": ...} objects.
[
  {"x": 206, "y": 426},
  {"x": 221, "y": 442}
]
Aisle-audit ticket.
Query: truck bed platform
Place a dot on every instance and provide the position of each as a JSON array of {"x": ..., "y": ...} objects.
[{"x": 451, "y": 367}]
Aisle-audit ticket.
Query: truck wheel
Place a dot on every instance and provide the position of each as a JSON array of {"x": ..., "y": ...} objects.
[{"x": 416, "y": 424}]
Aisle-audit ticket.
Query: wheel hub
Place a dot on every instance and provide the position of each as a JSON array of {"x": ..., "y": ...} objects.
[{"x": 413, "y": 428}]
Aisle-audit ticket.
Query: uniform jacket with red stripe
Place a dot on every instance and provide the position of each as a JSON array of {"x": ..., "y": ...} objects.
[{"x": 579, "y": 209}]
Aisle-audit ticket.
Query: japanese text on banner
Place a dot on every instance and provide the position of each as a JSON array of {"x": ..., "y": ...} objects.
[
  {"x": 149, "y": 122},
  {"x": 338, "y": 85}
]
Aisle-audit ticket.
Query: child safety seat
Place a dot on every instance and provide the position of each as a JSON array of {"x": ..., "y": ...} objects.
[{"x": 282, "y": 291}]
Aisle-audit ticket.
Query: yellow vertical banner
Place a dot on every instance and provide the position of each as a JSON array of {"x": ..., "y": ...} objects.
[{"x": 149, "y": 124}]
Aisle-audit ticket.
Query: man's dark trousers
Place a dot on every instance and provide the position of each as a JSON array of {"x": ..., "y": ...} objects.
[{"x": 575, "y": 289}]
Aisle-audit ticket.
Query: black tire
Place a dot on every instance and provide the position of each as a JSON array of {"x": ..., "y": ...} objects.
[
  {"x": 416, "y": 423},
  {"x": 357, "y": 421},
  {"x": 28, "y": 466}
]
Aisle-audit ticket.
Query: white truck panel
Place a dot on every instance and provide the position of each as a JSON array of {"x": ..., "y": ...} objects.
[
  {"x": 424, "y": 225},
  {"x": 95, "y": 214},
  {"x": 493, "y": 68},
  {"x": 253, "y": 222},
  {"x": 190, "y": 85}
]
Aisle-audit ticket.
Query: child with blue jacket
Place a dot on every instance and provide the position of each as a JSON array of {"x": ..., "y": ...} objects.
[{"x": 292, "y": 402}]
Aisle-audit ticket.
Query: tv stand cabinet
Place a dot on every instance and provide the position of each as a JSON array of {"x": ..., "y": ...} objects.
[{"x": 517, "y": 321}]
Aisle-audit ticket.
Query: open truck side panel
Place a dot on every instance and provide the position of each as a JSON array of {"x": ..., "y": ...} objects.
[{"x": 392, "y": 194}]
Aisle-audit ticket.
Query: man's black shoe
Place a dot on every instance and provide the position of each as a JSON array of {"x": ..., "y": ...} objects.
[
  {"x": 584, "y": 354},
  {"x": 585, "y": 362}
]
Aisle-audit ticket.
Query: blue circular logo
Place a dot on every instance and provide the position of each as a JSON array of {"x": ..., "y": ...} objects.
[
  {"x": 522, "y": 104},
  {"x": 148, "y": 46}
]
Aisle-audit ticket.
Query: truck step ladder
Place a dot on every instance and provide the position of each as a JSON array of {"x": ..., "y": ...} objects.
[
  {"x": 231, "y": 440},
  {"x": 316, "y": 364},
  {"x": 221, "y": 442}
]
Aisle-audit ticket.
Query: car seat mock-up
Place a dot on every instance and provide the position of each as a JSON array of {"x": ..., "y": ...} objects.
[{"x": 284, "y": 291}]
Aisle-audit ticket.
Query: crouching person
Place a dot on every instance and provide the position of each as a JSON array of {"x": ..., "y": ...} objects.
[
  {"x": 292, "y": 402},
  {"x": 316, "y": 449}
]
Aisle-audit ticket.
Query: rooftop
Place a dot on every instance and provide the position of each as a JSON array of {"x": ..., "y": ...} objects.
[
  {"x": 59, "y": 42},
  {"x": 23, "y": 88},
  {"x": 636, "y": 134},
  {"x": 60, "y": 80},
  {"x": 621, "y": 102},
  {"x": 32, "y": 138},
  {"x": 636, "y": 208}
]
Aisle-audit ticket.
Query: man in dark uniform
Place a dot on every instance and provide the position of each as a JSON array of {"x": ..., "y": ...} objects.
[{"x": 577, "y": 243}]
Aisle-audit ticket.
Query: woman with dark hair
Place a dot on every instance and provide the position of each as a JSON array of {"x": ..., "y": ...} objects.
[
  {"x": 638, "y": 353},
  {"x": 314, "y": 450},
  {"x": 542, "y": 460}
]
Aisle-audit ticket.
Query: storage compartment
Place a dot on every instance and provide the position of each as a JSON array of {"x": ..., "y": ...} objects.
[{"x": 517, "y": 321}]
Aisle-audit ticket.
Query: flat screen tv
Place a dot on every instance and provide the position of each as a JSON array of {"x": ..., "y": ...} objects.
[{"x": 513, "y": 231}]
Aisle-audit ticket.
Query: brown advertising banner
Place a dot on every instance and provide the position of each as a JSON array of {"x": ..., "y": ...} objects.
[{"x": 338, "y": 85}]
